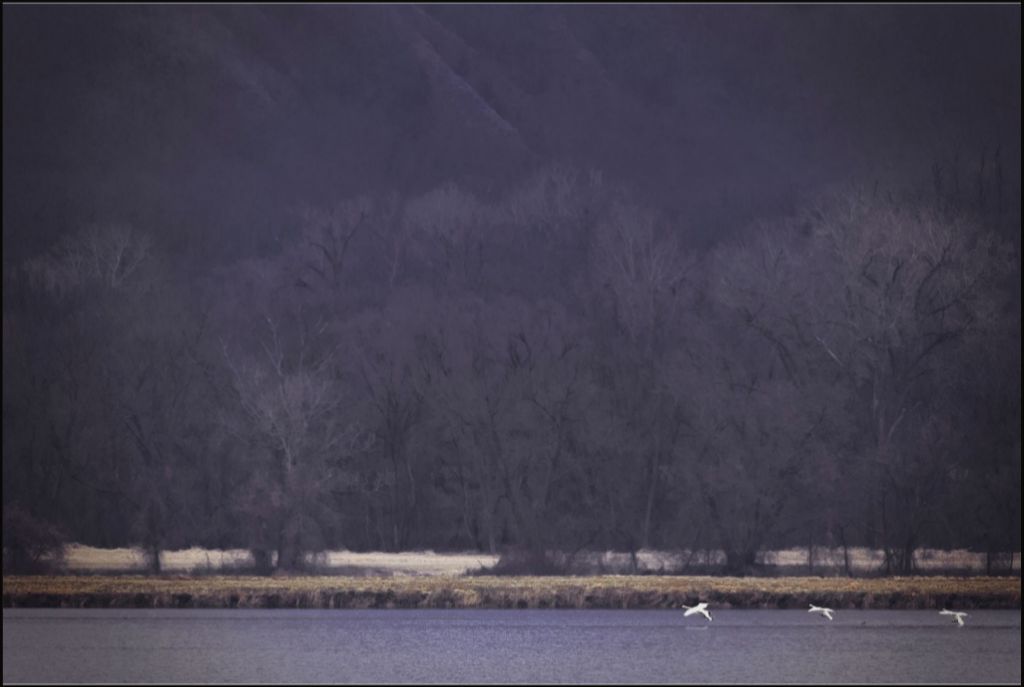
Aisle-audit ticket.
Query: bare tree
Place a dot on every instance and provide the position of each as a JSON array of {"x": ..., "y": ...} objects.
[
  {"x": 642, "y": 267},
  {"x": 899, "y": 285},
  {"x": 108, "y": 254},
  {"x": 750, "y": 432},
  {"x": 445, "y": 228},
  {"x": 293, "y": 402},
  {"x": 327, "y": 240},
  {"x": 385, "y": 361}
]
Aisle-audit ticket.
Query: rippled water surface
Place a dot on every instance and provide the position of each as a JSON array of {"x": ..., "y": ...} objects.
[{"x": 469, "y": 646}]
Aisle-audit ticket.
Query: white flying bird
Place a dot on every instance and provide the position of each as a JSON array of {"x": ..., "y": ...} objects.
[
  {"x": 699, "y": 608},
  {"x": 827, "y": 612},
  {"x": 958, "y": 616}
]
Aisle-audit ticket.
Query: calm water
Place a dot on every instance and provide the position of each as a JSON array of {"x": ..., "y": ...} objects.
[{"x": 62, "y": 645}]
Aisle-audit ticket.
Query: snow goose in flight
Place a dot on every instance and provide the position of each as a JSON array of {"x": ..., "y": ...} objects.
[
  {"x": 827, "y": 612},
  {"x": 702, "y": 607},
  {"x": 958, "y": 616}
]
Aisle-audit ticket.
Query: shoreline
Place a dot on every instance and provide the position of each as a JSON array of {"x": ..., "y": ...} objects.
[{"x": 608, "y": 591}]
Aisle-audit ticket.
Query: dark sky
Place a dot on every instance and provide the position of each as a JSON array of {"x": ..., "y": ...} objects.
[{"x": 209, "y": 125}]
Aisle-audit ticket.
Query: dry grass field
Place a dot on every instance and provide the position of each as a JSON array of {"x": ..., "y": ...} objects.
[
  {"x": 86, "y": 559},
  {"x": 445, "y": 591},
  {"x": 89, "y": 577}
]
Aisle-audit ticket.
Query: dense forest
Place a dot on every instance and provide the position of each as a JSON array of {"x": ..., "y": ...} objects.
[
  {"x": 511, "y": 278},
  {"x": 552, "y": 370}
]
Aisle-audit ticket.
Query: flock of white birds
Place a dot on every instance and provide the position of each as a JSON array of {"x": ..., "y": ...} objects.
[{"x": 702, "y": 608}]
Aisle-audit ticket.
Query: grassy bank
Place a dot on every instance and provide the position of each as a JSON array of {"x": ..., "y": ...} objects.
[{"x": 609, "y": 591}]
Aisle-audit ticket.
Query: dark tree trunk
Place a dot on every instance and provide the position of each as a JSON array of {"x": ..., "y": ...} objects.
[
  {"x": 740, "y": 562},
  {"x": 263, "y": 560},
  {"x": 153, "y": 558},
  {"x": 289, "y": 553}
]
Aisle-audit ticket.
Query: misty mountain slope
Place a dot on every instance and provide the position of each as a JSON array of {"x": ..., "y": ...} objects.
[{"x": 210, "y": 125}]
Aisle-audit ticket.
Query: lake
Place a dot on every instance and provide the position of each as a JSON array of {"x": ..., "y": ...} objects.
[{"x": 472, "y": 646}]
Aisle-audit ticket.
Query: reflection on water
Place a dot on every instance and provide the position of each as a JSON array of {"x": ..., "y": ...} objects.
[{"x": 468, "y": 646}]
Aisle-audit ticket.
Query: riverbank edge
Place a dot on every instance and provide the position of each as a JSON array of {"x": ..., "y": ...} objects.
[{"x": 603, "y": 592}]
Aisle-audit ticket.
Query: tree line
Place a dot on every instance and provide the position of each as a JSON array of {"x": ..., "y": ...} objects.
[{"x": 553, "y": 369}]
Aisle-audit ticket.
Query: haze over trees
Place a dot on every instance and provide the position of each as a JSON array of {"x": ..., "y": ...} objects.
[
  {"x": 805, "y": 384},
  {"x": 494, "y": 351}
]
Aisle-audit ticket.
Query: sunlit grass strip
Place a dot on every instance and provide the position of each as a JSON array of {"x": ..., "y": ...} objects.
[{"x": 610, "y": 591}]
